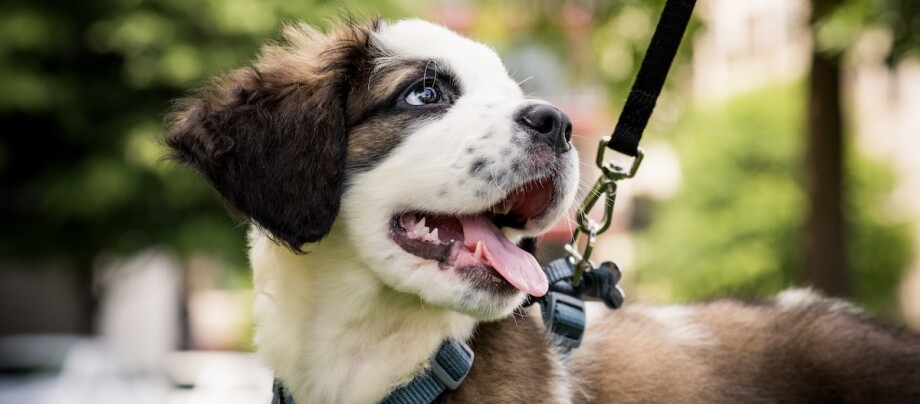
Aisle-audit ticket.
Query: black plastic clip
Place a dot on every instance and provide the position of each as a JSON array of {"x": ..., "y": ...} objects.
[
  {"x": 601, "y": 283},
  {"x": 564, "y": 317},
  {"x": 562, "y": 307}
]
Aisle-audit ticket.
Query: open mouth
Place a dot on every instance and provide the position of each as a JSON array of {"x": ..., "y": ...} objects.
[{"x": 475, "y": 244}]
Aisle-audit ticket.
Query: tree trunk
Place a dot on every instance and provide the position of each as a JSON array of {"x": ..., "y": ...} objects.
[{"x": 825, "y": 258}]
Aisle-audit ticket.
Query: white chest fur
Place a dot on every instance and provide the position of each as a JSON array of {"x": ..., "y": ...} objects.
[{"x": 334, "y": 333}]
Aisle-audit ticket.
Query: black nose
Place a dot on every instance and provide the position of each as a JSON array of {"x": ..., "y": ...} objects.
[{"x": 548, "y": 125}]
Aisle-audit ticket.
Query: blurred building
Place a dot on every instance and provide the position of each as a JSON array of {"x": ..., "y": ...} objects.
[{"x": 749, "y": 44}]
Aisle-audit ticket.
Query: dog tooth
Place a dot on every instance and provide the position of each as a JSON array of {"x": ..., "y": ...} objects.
[
  {"x": 433, "y": 236},
  {"x": 421, "y": 229},
  {"x": 478, "y": 253}
]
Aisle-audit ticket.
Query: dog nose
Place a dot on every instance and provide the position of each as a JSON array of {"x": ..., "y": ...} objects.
[{"x": 548, "y": 125}]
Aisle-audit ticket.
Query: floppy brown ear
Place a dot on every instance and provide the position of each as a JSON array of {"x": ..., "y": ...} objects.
[{"x": 271, "y": 138}]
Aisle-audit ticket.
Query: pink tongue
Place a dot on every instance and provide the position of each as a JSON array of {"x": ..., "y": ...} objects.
[{"x": 514, "y": 264}]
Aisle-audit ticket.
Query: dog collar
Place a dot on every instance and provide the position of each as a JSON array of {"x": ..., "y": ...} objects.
[{"x": 446, "y": 370}]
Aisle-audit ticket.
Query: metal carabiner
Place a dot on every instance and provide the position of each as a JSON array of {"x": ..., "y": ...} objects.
[
  {"x": 608, "y": 189},
  {"x": 606, "y": 186},
  {"x": 581, "y": 262}
]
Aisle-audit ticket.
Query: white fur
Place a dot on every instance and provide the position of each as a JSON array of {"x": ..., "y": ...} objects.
[
  {"x": 335, "y": 333},
  {"x": 794, "y": 298},
  {"x": 681, "y": 326},
  {"x": 356, "y": 315},
  {"x": 791, "y": 299},
  {"x": 595, "y": 311}
]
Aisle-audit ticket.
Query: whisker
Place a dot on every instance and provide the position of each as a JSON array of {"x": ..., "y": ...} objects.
[{"x": 525, "y": 80}]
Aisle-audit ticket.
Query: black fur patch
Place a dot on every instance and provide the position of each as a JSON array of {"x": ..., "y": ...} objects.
[{"x": 478, "y": 165}]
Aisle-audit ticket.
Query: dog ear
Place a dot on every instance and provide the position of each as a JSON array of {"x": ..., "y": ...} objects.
[{"x": 271, "y": 138}]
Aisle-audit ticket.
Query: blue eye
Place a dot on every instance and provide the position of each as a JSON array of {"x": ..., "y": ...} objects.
[{"x": 423, "y": 95}]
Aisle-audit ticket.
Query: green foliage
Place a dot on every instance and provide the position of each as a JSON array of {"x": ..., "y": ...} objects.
[
  {"x": 902, "y": 17},
  {"x": 879, "y": 246},
  {"x": 623, "y": 35},
  {"x": 84, "y": 91},
  {"x": 842, "y": 22},
  {"x": 733, "y": 229},
  {"x": 600, "y": 42}
]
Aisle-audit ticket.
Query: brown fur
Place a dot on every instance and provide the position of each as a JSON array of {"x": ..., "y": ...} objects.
[
  {"x": 824, "y": 351},
  {"x": 821, "y": 352}
]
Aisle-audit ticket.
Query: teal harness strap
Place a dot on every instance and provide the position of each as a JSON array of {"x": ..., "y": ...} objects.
[{"x": 447, "y": 369}]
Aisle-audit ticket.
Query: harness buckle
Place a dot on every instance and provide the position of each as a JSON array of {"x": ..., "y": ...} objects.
[
  {"x": 564, "y": 317},
  {"x": 452, "y": 363}
]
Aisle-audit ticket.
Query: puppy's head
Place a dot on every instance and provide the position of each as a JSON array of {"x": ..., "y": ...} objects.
[{"x": 413, "y": 140}]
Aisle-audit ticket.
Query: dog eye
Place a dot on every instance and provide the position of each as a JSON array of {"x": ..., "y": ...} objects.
[{"x": 423, "y": 95}]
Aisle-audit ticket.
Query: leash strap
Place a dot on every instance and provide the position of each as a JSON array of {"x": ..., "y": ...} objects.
[
  {"x": 655, "y": 66},
  {"x": 625, "y": 138}
]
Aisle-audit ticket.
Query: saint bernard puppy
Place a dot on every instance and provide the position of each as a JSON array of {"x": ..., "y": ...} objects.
[{"x": 388, "y": 171}]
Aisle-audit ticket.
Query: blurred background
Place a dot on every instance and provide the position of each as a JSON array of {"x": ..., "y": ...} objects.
[{"x": 784, "y": 151}]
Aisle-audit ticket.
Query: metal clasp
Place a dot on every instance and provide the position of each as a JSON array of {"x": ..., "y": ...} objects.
[{"x": 606, "y": 187}]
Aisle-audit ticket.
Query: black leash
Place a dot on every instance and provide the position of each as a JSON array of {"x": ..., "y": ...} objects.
[
  {"x": 576, "y": 275},
  {"x": 655, "y": 66},
  {"x": 626, "y": 136}
]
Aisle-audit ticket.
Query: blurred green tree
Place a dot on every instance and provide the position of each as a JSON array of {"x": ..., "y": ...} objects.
[
  {"x": 743, "y": 225},
  {"x": 85, "y": 86},
  {"x": 733, "y": 229}
]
